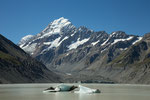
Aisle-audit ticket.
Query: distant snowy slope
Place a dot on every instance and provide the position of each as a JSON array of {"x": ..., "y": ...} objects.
[
  {"x": 77, "y": 43},
  {"x": 25, "y": 40}
]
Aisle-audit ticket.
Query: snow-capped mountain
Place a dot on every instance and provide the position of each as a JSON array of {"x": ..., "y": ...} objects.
[
  {"x": 70, "y": 49},
  {"x": 61, "y": 37},
  {"x": 51, "y": 37}
]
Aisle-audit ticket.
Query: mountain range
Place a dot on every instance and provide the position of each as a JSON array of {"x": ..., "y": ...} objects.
[
  {"x": 82, "y": 54},
  {"x": 65, "y": 53}
]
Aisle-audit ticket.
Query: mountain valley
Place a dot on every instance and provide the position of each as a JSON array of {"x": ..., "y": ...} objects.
[{"x": 82, "y": 54}]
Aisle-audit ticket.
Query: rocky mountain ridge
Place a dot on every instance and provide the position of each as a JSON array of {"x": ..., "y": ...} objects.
[
  {"x": 16, "y": 66},
  {"x": 77, "y": 51}
]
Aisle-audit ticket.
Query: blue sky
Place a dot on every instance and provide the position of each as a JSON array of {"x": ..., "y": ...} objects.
[{"x": 22, "y": 17}]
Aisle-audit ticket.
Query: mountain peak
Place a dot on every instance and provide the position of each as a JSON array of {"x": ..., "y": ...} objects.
[
  {"x": 60, "y": 22},
  {"x": 57, "y": 25},
  {"x": 119, "y": 34}
]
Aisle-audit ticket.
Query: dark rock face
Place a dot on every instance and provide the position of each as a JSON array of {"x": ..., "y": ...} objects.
[
  {"x": 80, "y": 51},
  {"x": 18, "y": 67}
]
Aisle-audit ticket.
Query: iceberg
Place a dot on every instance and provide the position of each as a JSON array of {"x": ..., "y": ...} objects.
[
  {"x": 87, "y": 90},
  {"x": 68, "y": 88},
  {"x": 64, "y": 87},
  {"x": 61, "y": 88}
]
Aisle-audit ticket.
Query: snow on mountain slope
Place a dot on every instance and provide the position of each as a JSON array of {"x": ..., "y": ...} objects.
[
  {"x": 56, "y": 27},
  {"x": 30, "y": 48},
  {"x": 94, "y": 43},
  {"x": 117, "y": 40},
  {"x": 77, "y": 43},
  {"x": 139, "y": 39},
  {"x": 116, "y": 37},
  {"x": 25, "y": 39},
  {"x": 105, "y": 42}
]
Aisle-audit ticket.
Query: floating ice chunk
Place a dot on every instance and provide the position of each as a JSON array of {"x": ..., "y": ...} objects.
[
  {"x": 61, "y": 88},
  {"x": 64, "y": 87},
  {"x": 84, "y": 89}
]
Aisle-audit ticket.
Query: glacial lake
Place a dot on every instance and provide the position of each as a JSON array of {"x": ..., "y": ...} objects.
[{"x": 108, "y": 92}]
